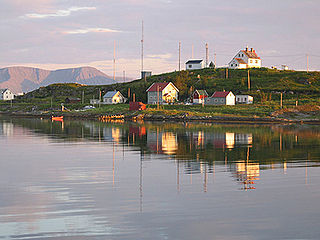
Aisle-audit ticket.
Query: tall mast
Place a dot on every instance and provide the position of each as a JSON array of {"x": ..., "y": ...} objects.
[
  {"x": 114, "y": 60},
  {"x": 142, "y": 42},
  {"x": 179, "y": 56},
  {"x": 207, "y": 55}
]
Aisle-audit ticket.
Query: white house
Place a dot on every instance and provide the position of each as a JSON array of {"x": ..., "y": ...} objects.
[
  {"x": 6, "y": 94},
  {"x": 194, "y": 64},
  {"x": 221, "y": 98},
  {"x": 244, "y": 99},
  {"x": 163, "y": 93},
  {"x": 245, "y": 59},
  {"x": 113, "y": 97}
]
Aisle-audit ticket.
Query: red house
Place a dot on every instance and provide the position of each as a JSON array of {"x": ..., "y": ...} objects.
[{"x": 199, "y": 96}]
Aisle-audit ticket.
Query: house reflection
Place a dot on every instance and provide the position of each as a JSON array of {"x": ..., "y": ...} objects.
[
  {"x": 162, "y": 142},
  {"x": 246, "y": 173},
  {"x": 6, "y": 129}
]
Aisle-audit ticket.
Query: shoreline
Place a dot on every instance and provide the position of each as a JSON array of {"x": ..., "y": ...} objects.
[{"x": 162, "y": 118}]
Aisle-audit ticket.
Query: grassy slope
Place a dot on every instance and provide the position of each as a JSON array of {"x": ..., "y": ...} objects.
[{"x": 265, "y": 87}]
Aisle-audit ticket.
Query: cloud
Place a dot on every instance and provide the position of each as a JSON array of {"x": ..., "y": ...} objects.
[
  {"x": 161, "y": 56},
  {"x": 90, "y": 30},
  {"x": 59, "y": 13}
]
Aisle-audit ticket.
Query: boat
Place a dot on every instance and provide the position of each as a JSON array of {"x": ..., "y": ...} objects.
[{"x": 57, "y": 118}]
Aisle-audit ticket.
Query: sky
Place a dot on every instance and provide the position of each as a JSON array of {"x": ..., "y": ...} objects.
[{"x": 54, "y": 34}]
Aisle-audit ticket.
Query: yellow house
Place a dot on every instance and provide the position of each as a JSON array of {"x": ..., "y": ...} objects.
[{"x": 162, "y": 93}]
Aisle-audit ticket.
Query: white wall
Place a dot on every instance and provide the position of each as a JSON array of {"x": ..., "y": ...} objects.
[
  {"x": 231, "y": 99},
  {"x": 193, "y": 66}
]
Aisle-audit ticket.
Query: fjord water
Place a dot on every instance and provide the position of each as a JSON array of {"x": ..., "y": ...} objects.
[{"x": 94, "y": 180}]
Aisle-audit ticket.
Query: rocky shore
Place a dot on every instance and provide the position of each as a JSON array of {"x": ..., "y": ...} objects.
[{"x": 133, "y": 116}]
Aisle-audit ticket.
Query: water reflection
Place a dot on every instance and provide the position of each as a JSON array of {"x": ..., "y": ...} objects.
[{"x": 87, "y": 178}]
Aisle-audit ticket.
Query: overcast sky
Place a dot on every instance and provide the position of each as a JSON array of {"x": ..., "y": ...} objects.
[{"x": 55, "y": 34}]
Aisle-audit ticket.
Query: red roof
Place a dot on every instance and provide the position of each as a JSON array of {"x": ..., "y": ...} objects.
[
  {"x": 250, "y": 54},
  {"x": 240, "y": 61},
  {"x": 159, "y": 87},
  {"x": 220, "y": 94}
]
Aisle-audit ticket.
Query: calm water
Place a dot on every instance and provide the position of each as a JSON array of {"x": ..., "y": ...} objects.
[{"x": 91, "y": 180}]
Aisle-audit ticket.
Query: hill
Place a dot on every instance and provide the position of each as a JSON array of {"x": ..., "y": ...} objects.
[
  {"x": 266, "y": 84},
  {"x": 26, "y": 79}
]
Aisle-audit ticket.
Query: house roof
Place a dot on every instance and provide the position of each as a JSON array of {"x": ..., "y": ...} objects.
[
  {"x": 160, "y": 86},
  {"x": 220, "y": 94},
  {"x": 3, "y": 90},
  {"x": 202, "y": 92},
  {"x": 250, "y": 54},
  {"x": 239, "y": 60},
  {"x": 194, "y": 61},
  {"x": 110, "y": 94}
]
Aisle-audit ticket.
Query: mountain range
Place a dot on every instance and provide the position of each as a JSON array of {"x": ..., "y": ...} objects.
[{"x": 25, "y": 79}]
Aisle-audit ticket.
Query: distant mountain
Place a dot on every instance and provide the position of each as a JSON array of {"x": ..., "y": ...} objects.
[{"x": 26, "y": 79}]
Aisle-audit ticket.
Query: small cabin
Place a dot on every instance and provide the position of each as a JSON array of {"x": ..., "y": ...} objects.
[
  {"x": 222, "y": 98},
  {"x": 244, "y": 99},
  {"x": 195, "y": 64},
  {"x": 137, "y": 106},
  {"x": 199, "y": 96},
  {"x": 113, "y": 97},
  {"x": 72, "y": 100}
]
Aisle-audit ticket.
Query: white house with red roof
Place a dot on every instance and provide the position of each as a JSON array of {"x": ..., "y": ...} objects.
[
  {"x": 247, "y": 58},
  {"x": 221, "y": 98},
  {"x": 164, "y": 93}
]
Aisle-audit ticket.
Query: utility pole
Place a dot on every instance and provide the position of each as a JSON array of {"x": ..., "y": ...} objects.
[
  {"x": 281, "y": 99},
  {"x": 307, "y": 63},
  {"x": 227, "y": 73},
  {"x": 134, "y": 97},
  {"x": 142, "y": 42},
  {"x": 158, "y": 97},
  {"x": 114, "y": 60},
  {"x": 207, "y": 55},
  {"x": 129, "y": 94},
  {"x": 249, "y": 85},
  {"x": 192, "y": 56},
  {"x": 179, "y": 56},
  {"x": 99, "y": 97},
  {"x": 82, "y": 97},
  {"x": 215, "y": 60}
]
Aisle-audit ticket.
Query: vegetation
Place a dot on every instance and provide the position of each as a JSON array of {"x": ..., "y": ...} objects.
[{"x": 266, "y": 86}]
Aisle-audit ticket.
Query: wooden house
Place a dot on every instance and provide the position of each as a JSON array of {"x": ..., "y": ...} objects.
[
  {"x": 199, "y": 96},
  {"x": 164, "y": 93},
  {"x": 221, "y": 98},
  {"x": 113, "y": 97}
]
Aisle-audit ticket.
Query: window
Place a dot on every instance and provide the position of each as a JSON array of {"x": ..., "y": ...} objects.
[
  {"x": 190, "y": 66},
  {"x": 256, "y": 61},
  {"x": 250, "y": 61}
]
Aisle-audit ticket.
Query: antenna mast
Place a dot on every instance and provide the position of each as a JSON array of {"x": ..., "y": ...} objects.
[
  {"x": 179, "y": 56},
  {"x": 142, "y": 42},
  {"x": 192, "y": 56},
  {"x": 207, "y": 55},
  {"x": 114, "y": 60}
]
